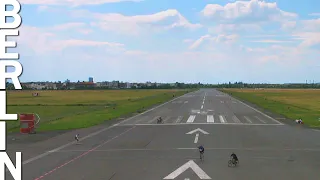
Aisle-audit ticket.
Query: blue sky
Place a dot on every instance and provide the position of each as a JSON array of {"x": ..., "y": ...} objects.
[{"x": 209, "y": 41}]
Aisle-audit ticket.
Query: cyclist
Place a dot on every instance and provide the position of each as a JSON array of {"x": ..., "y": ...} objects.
[
  {"x": 234, "y": 157},
  {"x": 77, "y": 137},
  {"x": 201, "y": 150},
  {"x": 159, "y": 120}
]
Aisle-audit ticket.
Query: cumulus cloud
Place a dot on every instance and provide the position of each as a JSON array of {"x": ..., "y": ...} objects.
[
  {"x": 232, "y": 28},
  {"x": 119, "y": 23},
  {"x": 246, "y": 11},
  {"x": 73, "y": 2}
]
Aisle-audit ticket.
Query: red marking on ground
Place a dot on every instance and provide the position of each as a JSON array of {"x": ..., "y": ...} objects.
[{"x": 78, "y": 157}]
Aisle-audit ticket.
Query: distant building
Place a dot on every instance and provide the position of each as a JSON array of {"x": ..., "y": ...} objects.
[
  {"x": 91, "y": 79},
  {"x": 84, "y": 85}
]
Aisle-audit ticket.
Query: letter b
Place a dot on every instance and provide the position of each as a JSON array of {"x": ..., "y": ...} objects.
[{"x": 13, "y": 13}]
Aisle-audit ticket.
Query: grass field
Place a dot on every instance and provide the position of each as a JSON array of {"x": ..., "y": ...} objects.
[
  {"x": 291, "y": 103},
  {"x": 60, "y": 110}
]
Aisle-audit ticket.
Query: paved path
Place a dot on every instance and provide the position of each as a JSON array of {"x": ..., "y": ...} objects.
[{"x": 140, "y": 149}]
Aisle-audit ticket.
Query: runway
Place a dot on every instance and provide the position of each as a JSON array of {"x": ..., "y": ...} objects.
[{"x": 140, "y": 149}]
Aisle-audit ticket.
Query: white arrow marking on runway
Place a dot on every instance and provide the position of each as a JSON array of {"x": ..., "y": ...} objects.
[
  {"x": 196, "y": 138},
  {"x": 197, "y": 135},
  {"x": 198, "y": 129},
  {"x": 190, "y": 164}
]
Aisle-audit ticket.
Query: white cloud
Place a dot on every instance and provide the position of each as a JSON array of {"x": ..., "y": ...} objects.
[
  {"x": 68, "y": 26},
  {"x": 308, "y": 38},
  {"x": 221, "y": 38},
  {"x": 247, "y": 11},
  {"x": 222, "y": 28},
  {"x": 73, "y": 2},
  {"x": 41, "y": 42},
  {"x": 311, "y": 25},
  {"x": 119, "y": 23},
  {"x": 288, "y": 25},
  {"x": 271, "y": 41}
]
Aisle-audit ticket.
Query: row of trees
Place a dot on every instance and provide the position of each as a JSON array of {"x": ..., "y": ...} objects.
[{"x": 178, "y": 85}]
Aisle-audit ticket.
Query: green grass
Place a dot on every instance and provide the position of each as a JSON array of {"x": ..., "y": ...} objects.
[
  {"x": 63, "y": 110},
  {"x": 292, "y": 104}
]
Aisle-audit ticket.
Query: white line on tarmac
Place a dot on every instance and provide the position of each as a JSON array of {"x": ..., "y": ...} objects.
[
  {"x": 260, "y": 119},
  {"x": 196, "y": 138},
  {"x": 210, "y": 119},
  {"x": 97, "y": 132},
  {"x": 191, "y": 119},
  {"x": 175, "y": 149},
  {"x": 154, "y": 119},
  {"x": 222, "y": 120},
  {"x": 178, "y": 124},
  {"x": 247, "y": 119},
  {"x": 258, "y": 111},
  {"x": 235, "y": 119},
  {"x": 179, "y": 119}
]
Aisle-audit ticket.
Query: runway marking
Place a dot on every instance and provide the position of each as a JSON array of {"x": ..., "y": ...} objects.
[
  {"x": 196, "y": 138},
  {"x": 83, "y": 154},
  {"x": 210, "y": 119},
  {"x": 222, "y": 120},
  {"x": 98, "y": 132},
  {"x": 198, "y": 129},
  {"x": 247, "y": 119},
  {"x": 166, "y": 119},
  {"x": 178, "y": 124},
  {"x": 154, "y": 119},
  {"x": 258, "y": 111},
  {"x": 141, "y": 119},
  {"x": 235, "y": 119},
  {"x": 179, "y": 119},
  {"x": 260, "y": 119},
  {"x": 190, "y": 164},
  {"x": 177, "y": 149},
  {"x": 191, "y": 119}
]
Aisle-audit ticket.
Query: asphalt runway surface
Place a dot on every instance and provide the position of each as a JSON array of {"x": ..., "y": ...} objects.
[{"x": 140, "y": 149}]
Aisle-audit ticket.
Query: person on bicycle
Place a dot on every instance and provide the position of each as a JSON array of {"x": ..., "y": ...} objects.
[
  {"x": 77, "y": 137},
  {"x": 201, "y": 149},
  {"x": 234, "y": 157},
  {"x": 160, "y": 119}
]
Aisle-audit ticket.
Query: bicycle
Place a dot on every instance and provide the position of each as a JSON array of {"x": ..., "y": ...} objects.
[
  {"x": 159, "y": 121},
  {"x": 201, "y": 156},
  {"x": 233, "y": 162}
]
